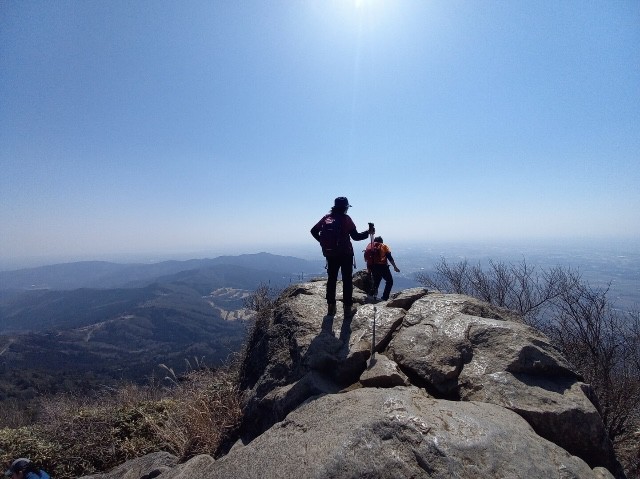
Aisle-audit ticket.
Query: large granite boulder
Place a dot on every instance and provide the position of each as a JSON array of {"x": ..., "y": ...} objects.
[
  {"x": 454, "y": 347},
  {"x": 422, "y": 385},
  {"x": 392, "y": 433},
  {"x": 464, "y": 349},
  {"x": 397, "y": 433}
]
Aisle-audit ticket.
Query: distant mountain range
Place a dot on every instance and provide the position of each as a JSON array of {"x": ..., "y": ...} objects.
[
  {"x": 101, "y": 274},
  {"x": 81, "y": 324}
]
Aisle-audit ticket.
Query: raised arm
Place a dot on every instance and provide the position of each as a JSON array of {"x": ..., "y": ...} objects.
[{"x": 355, "y": 236}]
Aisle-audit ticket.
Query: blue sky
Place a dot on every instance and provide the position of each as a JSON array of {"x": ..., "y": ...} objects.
[{"x": 177, "y": 127}]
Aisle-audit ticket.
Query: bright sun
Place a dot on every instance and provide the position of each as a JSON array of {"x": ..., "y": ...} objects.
[
  {"x": 364, "y": 3},
  {"x": 368, "y": 7},
  {"x": 359, "y": 14}
]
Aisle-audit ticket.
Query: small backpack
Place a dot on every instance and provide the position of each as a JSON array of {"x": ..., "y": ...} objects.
[
  {"x": 331, "y": 237},
  {"x": 373, "y": 254}
]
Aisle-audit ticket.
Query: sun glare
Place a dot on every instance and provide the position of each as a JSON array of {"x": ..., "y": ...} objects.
[
  {"x": 367, "y": 3},
  {"x": 370, "y": 11},
  {"x": 375, "y": 19}
]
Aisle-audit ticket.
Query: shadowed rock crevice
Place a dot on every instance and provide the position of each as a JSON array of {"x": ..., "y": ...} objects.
[{"x": 449, "y": 393}]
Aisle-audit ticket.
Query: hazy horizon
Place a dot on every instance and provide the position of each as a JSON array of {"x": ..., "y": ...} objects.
[{"x": 310, "y": 250}]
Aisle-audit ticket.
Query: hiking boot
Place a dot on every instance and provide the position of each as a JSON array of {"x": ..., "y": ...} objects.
[{"x": 331, "y": 309}]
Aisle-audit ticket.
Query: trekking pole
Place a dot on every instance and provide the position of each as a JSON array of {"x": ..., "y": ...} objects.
[
  {"x": 369, "y": 269},
  {"x": 373, "y": 340}
]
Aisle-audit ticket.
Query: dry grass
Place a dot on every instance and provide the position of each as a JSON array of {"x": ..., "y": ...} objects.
[
  {"x": 74, "y": 435},
  {"x": 16, "y": 414},
  {"x": 203, "y": 414}
]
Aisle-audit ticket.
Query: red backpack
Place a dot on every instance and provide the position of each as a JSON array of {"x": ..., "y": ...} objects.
[{"x": 373, "y": 254}]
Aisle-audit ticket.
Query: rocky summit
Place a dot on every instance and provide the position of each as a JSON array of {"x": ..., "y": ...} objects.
[{"x": 443, "y": 386}]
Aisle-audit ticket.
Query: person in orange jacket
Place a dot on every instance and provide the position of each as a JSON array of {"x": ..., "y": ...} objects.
[{"x": 379, "y": 267}]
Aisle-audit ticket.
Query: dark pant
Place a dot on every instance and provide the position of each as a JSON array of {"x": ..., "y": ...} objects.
[
  {"x": 344, "y": 263},
  {"x": 380, "y": 272}
]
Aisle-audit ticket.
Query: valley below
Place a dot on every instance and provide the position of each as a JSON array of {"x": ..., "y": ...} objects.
[{"x": 83, "y": 339}]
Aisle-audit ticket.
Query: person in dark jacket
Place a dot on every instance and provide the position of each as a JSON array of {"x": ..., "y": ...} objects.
[
  {"x": 23, "y": 468},
  {"x": 340, "y": 228}
]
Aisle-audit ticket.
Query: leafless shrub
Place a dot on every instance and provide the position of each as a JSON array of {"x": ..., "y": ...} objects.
[
  {"x": 603, "y": 344},
  {"x": 16, "y": 414},
  {"x": 633, "y": 320},
  {"x": 519, "y": 287},
  {"x": 262, "y": 299},
  {"x": 448, "y": 278}
]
